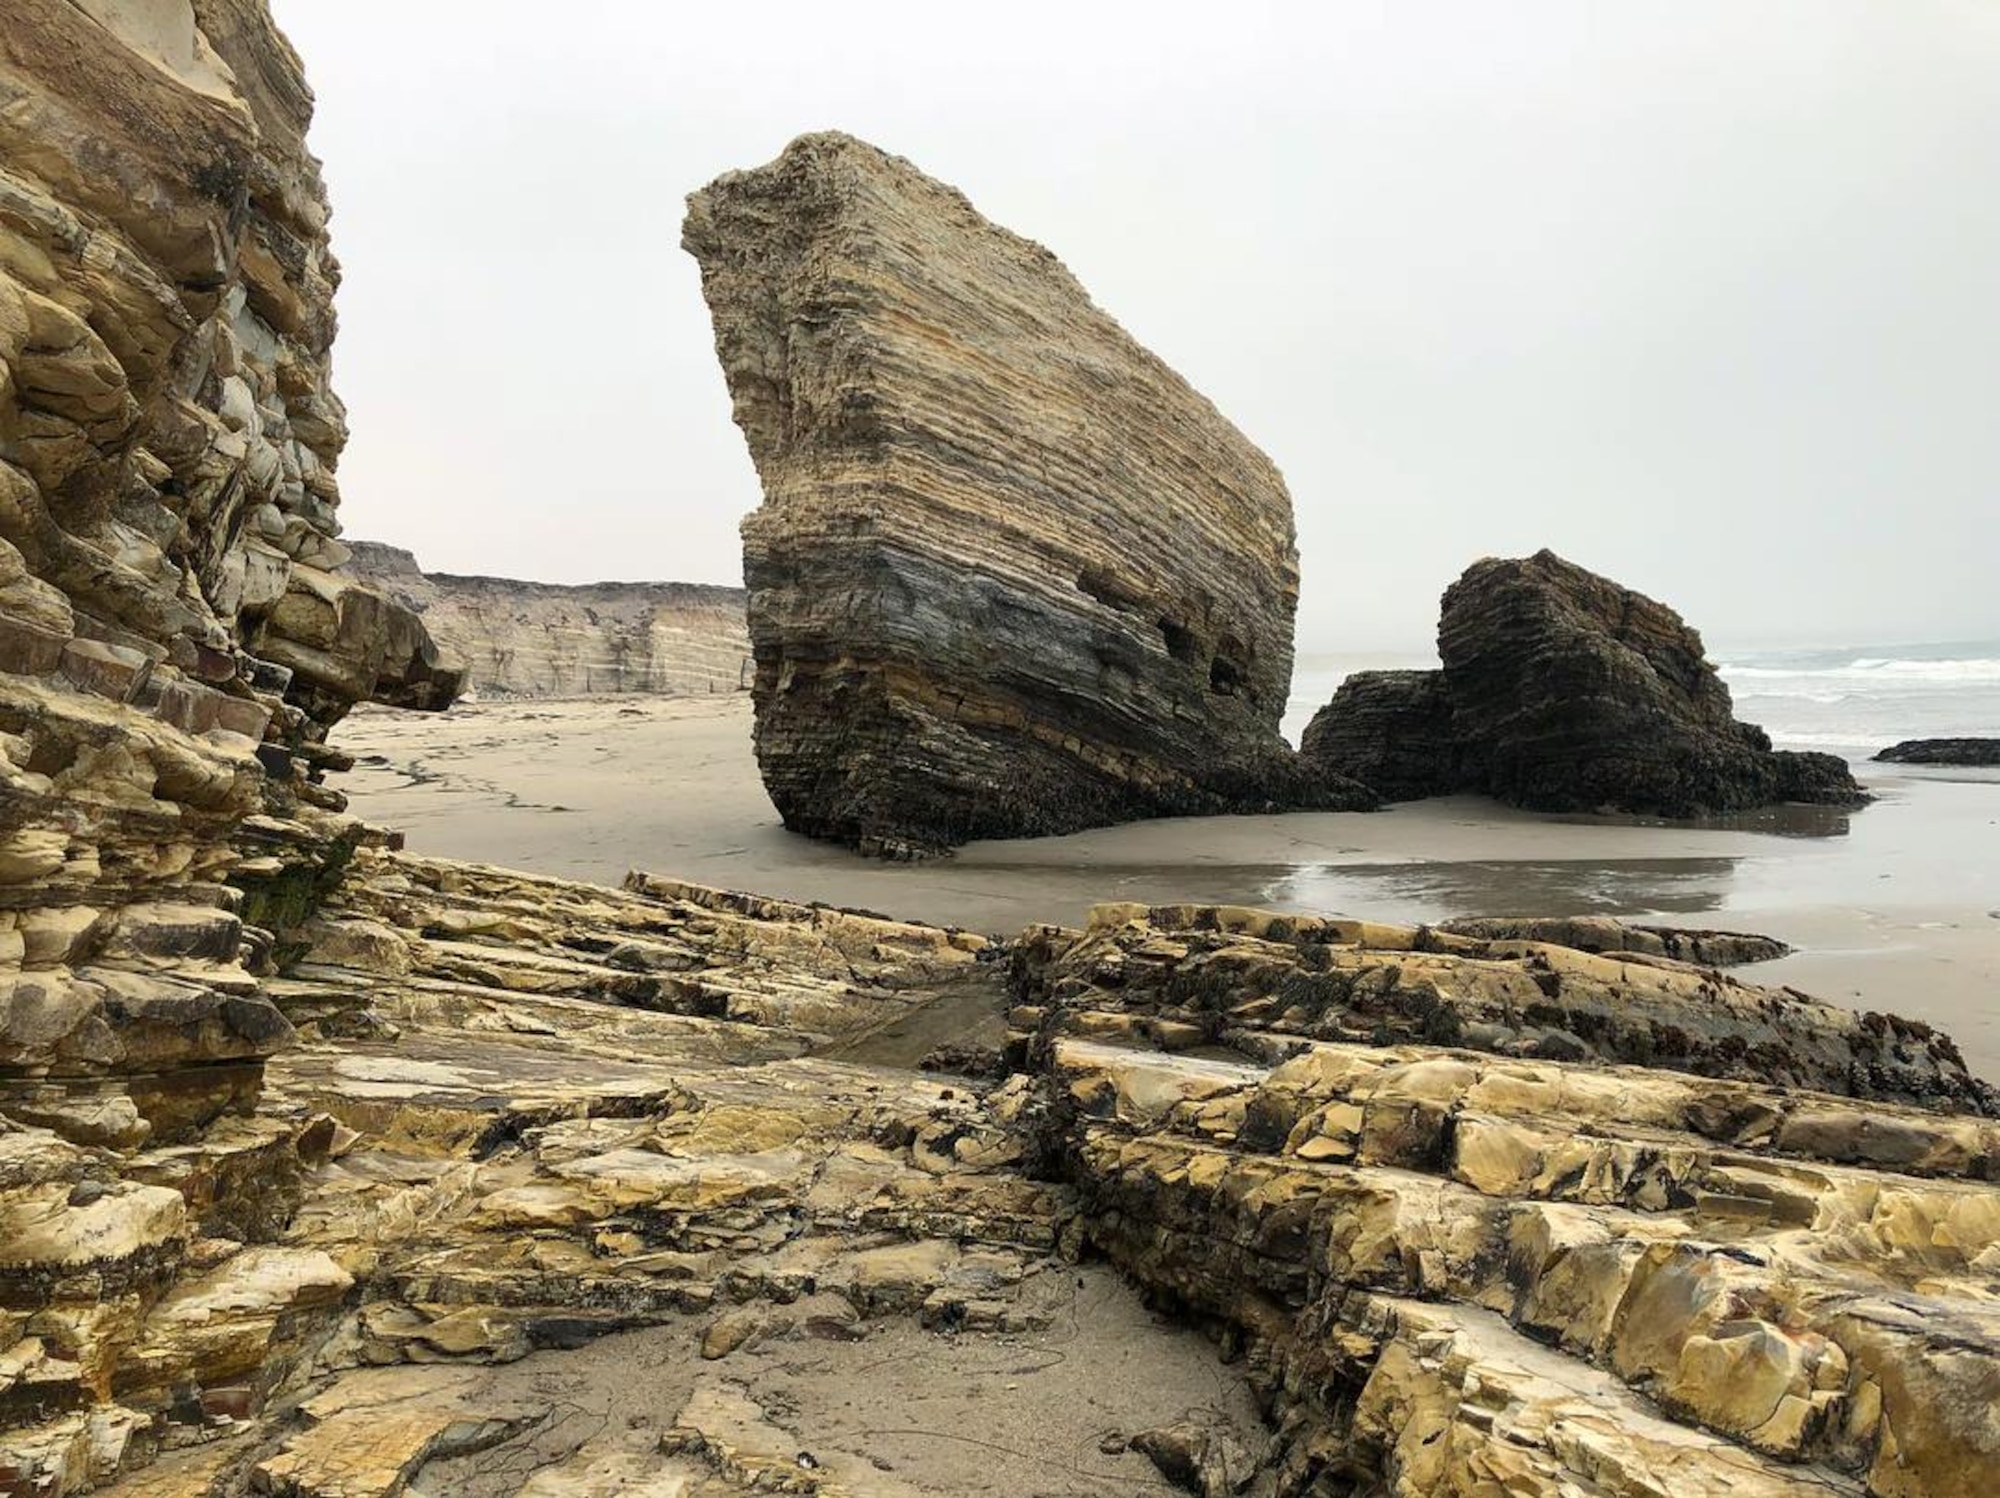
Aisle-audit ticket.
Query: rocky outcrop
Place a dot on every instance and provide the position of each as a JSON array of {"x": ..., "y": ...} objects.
[
  {"x": 1603, "y": 934},
  {"x": 525, "y": 1114},
  {"x": 322, "y": 1165},
  {"x": 1012, "y": 576},
  {"x": 1252, "y": 981},
  {"x": 525, "y": 639},
  {"x": 1562, "y": 691},
  {"x": 175, "y": 637},
  {"x": 1942, "y": 752},
  {"x": 1461, "y": 1271},
  {"x": 1390, "y": 730}
]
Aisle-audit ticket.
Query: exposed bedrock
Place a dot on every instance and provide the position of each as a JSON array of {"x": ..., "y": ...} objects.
[
  {"x": 1452, "y": 1271},
  {"x": 529, "y": 639},
  {"x": 175, "y": 638},
  {"x": 525, "y": 1114},
  {"x": 1942, "y": 752},
  {"x": 1012, "y": 576},
  {"x": 1562, "y": 691},
  {"x": 1206, "y": 973}
]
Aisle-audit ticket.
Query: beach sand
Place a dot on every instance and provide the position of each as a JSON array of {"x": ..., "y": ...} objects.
[{"x": 1895, "y": 907}]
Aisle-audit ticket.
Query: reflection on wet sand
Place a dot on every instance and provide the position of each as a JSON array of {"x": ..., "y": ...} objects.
[
  {"x": 1430, "y": 892},
  {"x": 1773, "y": 821},
  {"x": 1889, "y": 906}
]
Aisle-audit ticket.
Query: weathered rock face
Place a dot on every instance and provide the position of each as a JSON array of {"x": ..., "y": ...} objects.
[
  {"x": 1562, "y": 691},
  {"x": 174, "y": 640},
  {"x": 526, "y": 639},
  {"x": 1456, "y": 1271},
  {"x": 1521, "y": 991},
  {"x": 1390, "y": 730},
  {"x": 526, "y": 1114},
  {"x": 1942, "y": 752},
  {"x": 1012, "y": 575}
]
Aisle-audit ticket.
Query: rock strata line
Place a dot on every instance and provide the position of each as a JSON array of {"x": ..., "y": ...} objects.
[{"x": 1012, "y": 575}]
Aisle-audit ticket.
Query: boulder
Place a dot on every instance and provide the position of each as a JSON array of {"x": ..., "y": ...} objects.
[
  {"x": 1391, "y": 730},
  {"x": 1012, "y": 575},
  {"x": 1563, "y": 691}
]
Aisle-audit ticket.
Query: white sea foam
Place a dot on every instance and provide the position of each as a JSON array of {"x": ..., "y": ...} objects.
[{"x": 1871, "y": 669}]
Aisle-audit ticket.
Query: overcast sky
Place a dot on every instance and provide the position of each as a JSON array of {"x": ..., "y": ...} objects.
[{"x": 1703, "y": 294}]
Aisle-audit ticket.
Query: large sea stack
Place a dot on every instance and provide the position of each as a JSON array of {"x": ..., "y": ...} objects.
[
  {"x": 1012, "y": 576},
  {"x": 1563, "y": 691}
]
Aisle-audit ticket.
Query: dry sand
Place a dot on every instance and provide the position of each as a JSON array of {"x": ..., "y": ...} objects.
[{"x": 1894, "y": 907}]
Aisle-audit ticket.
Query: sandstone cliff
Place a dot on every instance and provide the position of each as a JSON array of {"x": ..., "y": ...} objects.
[
  {"x": 306, "y": 1143},
  {"x": 175, "y": 639},
  {"x": 1562, "y": 691},
  {"x": 1012, "y": 575},
  {"x": 527, "y": 639}
]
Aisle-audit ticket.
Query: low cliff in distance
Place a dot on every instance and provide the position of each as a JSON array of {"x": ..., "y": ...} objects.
[
  {"x": 528, "y": 639},
  {"x": 1563, "y": 691},
  {"x": 1012, "y": 576}
]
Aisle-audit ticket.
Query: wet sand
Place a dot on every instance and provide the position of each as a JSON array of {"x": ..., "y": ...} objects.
[{"x": 1895, "y": 907}]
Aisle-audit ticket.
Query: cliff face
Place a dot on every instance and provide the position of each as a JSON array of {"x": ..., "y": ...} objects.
[
  {"x": 173, "y": 640},
  {"x": 525, "y": 639},
  {"x": 1563, "y": 691},
  {"x": 1459, "y": 1250},
  {"x": 1012, "y": 575}
]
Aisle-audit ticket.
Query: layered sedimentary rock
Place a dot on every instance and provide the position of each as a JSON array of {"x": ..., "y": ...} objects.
[
  {"x": 174, "y": 637},
  {"x": 1012, "y": 576},
  {"x": 521, "y": 1115},
  {"x": 524, "y": 1115},
  {"x": 1460, "y": 1271},
  {"x": 322, "y": 1166},
  {"x": 1391, "y": 730},
  {"x": 1942, "y": 752},
  {"x": 527, "y": 639},
  {"x": 1222, "y": 973},
  {"x": 1562, "y": 691}
]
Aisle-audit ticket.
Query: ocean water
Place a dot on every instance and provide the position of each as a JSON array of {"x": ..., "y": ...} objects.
[{"x": 1847, "y": 699}]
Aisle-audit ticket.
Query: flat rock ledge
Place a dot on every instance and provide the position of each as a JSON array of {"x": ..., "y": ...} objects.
[
  {"x": 1012, "y": 576},
  {"x": 1411, "y": 1179},
  {"x": 1563, "y": 691}
]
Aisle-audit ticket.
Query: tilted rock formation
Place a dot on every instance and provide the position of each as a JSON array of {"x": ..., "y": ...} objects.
[
  {"x": 525, "y": 639},
  {"x": 1453, "y": 1271},
  {"x": 1012, "y": 576},
  {"x": 174, "y": 637},
  {"x": 1942, "y": 752},
  {"x": 1562, "y": 691},
  {"x": 525, "y": 1114},
  {"x": 1603, "y": 934},
  {"x": 305, "y": 1142},
  {"x": 1219, "y": 969}
]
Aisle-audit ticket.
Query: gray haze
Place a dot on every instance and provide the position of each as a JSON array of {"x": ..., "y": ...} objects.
[{"x": 1704, "y": 294}]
